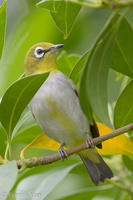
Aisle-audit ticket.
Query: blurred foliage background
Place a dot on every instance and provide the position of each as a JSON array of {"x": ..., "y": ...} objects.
[{"x": 28, "y": 24}]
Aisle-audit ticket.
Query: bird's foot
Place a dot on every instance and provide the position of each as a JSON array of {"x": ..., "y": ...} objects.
[
  {"x": 62, "y": 152},
  {"x": 89, "y": 142}
]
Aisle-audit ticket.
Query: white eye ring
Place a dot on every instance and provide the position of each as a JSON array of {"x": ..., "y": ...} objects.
[{"x": 39, "y": 52}]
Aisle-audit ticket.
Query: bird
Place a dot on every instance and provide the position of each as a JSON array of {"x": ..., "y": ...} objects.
[{"x": 56, "y": 108}]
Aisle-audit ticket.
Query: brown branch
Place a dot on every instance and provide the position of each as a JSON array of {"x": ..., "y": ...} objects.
[{"x": 36, "y": 161}]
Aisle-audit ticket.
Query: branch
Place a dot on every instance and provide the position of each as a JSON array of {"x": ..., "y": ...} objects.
[
  {"x": 36, "y": 161},
  {"x": 104, "y": 3}
]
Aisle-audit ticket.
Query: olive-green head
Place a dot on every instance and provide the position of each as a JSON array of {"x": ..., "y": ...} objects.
[{"x": 41, "y": 58}]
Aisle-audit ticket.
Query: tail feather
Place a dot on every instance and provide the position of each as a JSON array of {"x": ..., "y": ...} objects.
[
  {"x": 97, "y": 171},
  {"x": 92, "y": 170},
  {"x": 104, "y": 169}
]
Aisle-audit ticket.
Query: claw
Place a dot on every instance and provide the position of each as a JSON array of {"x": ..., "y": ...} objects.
[
  {"x": 62, "y": 153},
  {"x": 89, "y": 142}
]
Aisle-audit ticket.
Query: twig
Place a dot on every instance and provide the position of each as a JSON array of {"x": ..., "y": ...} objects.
[
  {"x": 104, "y": 3},
  {"x": 36, "y": 161}
]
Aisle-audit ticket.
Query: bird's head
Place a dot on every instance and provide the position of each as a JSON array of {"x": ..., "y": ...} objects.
[{"x": 41, "y": 58}]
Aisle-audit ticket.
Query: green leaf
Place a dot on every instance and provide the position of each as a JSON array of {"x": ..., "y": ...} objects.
[
  {"x": 123, "y": 113},
  {"x": 50, "y": 5},
  {"x": 128, "y": 161},
  {"x": 97, "y": 76},
  {"x": 2, "y": 25},
  {"x": 84, "y": 100},
  {"x": 64, "y": 13},
  {"x": 78, "y": 187},
  {"x": 94, "y": 81},
  {"x": 77, "y": 69},
  {"x": 16, "y": 98},
  {"x": 42, "y": 184},
  {"x": 8, "y": 176},
  {"x": 25, "y": 122},
  {"x": 30, "y": 132},
  {"x": 122, "y": 60},
  {"x": 3, "y": 139},
  {"x": 66, "y": 62},
  {"x": 66, "y": 16},
  {"x": 93, "y": 85}
]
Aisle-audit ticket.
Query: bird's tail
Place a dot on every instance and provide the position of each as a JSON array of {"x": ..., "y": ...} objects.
[{"x": 96, "y": 167}]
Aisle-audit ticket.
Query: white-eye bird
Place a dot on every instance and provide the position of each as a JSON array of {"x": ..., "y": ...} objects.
[{"x": 57, "y": 110}]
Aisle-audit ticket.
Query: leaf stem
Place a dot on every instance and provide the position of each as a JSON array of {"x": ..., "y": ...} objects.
[
  {"x": 87, "y": 4},
  {"x": 123, "y": 3},
  {"x": 122, "y": 186},
  {"x": 113, "y": 4},
  {"x": 8, "y": 152},
  {"x": 116, "y": 184}
]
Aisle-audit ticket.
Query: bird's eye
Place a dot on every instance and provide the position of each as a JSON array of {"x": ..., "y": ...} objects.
[{"x": 39, "y": 52}]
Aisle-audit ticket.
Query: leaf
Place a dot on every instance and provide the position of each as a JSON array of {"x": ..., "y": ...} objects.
[
  {"x": 77, "y": 69},
  {"x": 64, "y": 13},
  {"x": 117, "y": 145},
  {"x": 84, "y": 101},
  {"x": 3, "y": 139},
  {"x": 93, "y": 86},
  {"x": 8, "y": 176},
  {"x": 66, "y": 62},
  {"x": 66, "y": 16},
  {"x": 122, "y": 52},
  {"x": 26, "y": 121},
  {"x": 128, "y": 161},
  {"x": 50, "y": 5},
  {"x": 96, "y": 80},
  {"x": 2, "y": 25},
  {"x": 76, "y": 188},
  {"x": 42, "y": 184},
  {"x": 123, "y": 113},
  {"x": 16, "y": 98},
  {"x": 42, "y": 141}
]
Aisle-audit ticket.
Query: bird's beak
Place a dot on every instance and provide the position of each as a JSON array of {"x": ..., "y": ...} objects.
[{"x": 55, "y": 47}]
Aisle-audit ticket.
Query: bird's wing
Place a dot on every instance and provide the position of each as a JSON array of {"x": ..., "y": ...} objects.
[{"x": 93, "y": 128}]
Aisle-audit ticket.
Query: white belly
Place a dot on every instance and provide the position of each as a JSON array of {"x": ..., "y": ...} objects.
[{"x": 56, "y": 109}]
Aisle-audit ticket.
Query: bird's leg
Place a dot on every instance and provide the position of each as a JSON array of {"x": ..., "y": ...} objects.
[
  {"x": 89, "y": 142},
  {"x": 62, "y": 152}
]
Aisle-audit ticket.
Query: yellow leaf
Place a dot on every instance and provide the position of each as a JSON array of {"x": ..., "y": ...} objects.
[
  {"x": 117, "y": 145},
  {"x": 42, "y": 141}
]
